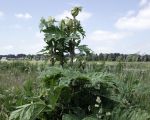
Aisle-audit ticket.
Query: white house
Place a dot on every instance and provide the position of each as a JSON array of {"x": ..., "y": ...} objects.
[{"x": 4, "y": 59}]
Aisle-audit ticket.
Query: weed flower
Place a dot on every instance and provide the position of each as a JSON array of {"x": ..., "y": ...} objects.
[
  {"x": 98, "y": 100},
  {"x": 96, "y": 105},
  {"x": 108, "y": 113}
]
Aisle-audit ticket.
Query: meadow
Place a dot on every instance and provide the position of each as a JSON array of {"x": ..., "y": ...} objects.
[
  {"x": 98, "y": 91},
  {"x": 69, "y": 87}
]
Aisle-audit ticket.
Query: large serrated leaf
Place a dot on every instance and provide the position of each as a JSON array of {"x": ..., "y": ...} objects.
[
  {"x": 27, "y": 112},
  {"x": 70, "y": 117}
]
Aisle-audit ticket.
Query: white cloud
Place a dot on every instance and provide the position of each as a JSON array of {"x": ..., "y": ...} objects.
[
  {"x": 8, "y": 47},
  {"x": 101, "y": 35},
  {"x": 1, "y": 14},
  {"x": 130, "y": 13},
  {"x": 40, "y": 42},
  {"x": 138, "y": 21},
  {"x": 104, "y": 49},
  {"x": 23, "y": 16},
  {"x": 104, "y": 41},
  {"x": 143, "y": 2},
  {"x": 82, "y": 16},
  {"x": 27, "y": 46}
]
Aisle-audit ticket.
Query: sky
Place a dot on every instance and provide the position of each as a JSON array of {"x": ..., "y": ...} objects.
[{"x": 111, "y": 26}]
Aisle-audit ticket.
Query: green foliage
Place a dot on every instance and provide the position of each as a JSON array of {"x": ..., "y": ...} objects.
[
  {"x": 8, "y": 100},
  {"x": 63, "y": 37},
  {"x": 130, "y": 114},
  {"x": 75, "y": 11},
  {"x": 14, "y": 73},
  {"x": 81, "y": 92},
  {"x": 27, "y": 111},
  {"x": 98, "y": 92},
  {"x": 69, "y": 117},
  {"x": 56, "y": 103}
]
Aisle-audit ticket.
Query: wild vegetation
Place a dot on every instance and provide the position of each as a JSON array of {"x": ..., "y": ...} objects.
[
  {"x": 73, "y": 90},
  {"x": 99, "y": 91},
  {"x": 63, "y": 37}
]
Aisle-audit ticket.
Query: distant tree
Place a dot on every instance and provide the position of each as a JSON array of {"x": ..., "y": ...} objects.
[
  {"x": 145, "y": 58},
  {"x": 105, "y": 57},
  {"x": 11, "y": 56},
  {"x": 20, "y": 55},
  {"x": 101, "y": 57},
  {"x": 119, "y": 58}
]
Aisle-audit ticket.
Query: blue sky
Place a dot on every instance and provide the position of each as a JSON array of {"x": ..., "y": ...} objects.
[{"x": 121, "y": 26}]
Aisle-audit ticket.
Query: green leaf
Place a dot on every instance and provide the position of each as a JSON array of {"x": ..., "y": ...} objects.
[
  {"x": 70, "y": 117},
  {"x": 54, "y": 96},
  {"x": 28, "y": 111},
  {"x": 75, "y": 11},
  {"x": 90, "y": 118}
]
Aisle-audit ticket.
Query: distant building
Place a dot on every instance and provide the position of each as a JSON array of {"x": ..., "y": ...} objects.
[{"x": 4, "y": 59}]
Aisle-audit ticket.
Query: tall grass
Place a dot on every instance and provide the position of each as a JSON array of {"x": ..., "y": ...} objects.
[
  {"x": 14, "y": 73},
  {"x": 119, "y": 91}
]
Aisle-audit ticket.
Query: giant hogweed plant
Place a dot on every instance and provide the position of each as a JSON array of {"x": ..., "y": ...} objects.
[
  {"x": 66, "y": 94},
  {"x": 63, "y": 37},
  {"x": 71, "y": 95}
]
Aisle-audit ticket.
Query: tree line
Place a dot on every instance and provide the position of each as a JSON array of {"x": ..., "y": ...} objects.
[
  {"x": 118, "y": 57},
  {"x": 90, "y": 57},
  {"x": 24, "y": 56},
  {"x": 63, "y": 39}
]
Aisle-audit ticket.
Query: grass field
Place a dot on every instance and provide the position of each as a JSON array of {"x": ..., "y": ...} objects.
[
  {"x": 14, "y": 73},
  {"x": 120, "y": 91}
]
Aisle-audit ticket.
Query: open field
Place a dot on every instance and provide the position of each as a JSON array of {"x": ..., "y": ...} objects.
[
  {"x": 52, "y": 74},
  {"x": 14, "y": 73},
  {"x": 123, "y": 92}
]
